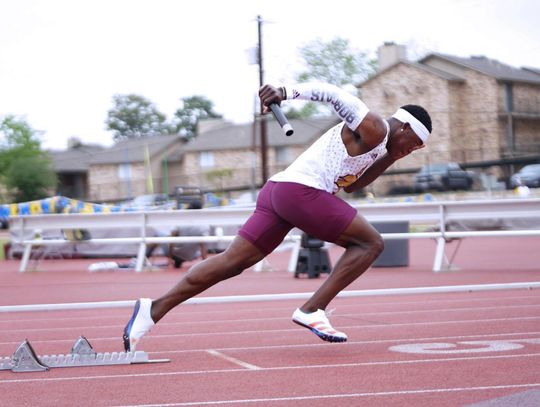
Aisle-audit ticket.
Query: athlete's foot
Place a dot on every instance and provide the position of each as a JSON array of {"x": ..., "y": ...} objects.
[
  {"x": 140, "y": 323},
  {"x": 317, "y": 322}
]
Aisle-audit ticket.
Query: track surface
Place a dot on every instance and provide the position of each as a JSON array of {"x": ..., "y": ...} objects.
[{"x": 433, "y": 349}]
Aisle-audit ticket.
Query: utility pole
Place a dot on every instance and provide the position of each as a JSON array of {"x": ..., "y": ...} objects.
[{"x": 263, "y": 122}]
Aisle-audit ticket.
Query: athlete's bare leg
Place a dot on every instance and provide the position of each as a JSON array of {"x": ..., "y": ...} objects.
[
  {"x": 363, "y": 244},
  {"x": 239, "y": 256}
]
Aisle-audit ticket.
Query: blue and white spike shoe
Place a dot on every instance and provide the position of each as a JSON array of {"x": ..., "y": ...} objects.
[{"x": 140, "y": 323}]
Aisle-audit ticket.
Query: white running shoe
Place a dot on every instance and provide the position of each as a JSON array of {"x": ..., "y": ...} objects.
[
  {"x": 140, "y": 323},
  {"x": 318, "y": 323}
]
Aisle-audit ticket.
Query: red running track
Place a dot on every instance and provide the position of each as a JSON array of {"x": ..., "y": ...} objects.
[{"x": 423, "y": 350}]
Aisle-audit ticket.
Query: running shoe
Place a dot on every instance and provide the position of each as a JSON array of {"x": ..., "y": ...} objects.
[
  {"x": 317, "y": 322},
  {"x": 140, "y": 323}
]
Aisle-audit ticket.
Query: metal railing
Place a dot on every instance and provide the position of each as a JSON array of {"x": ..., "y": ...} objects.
[{"x": 436, "y": 214}]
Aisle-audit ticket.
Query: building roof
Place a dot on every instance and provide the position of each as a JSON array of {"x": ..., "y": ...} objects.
[
  {"x": 431, "y": 70},
  {"x": 438, "y": 72},
  {"x": 134, "y": 150},
  {"x": 533, "y": 70},
  {"x": 217, "y": 135},
  {"x": 490, "y": 67},
  {"x": 75, "y": 159},
  {"x": 229, "y": 136}
]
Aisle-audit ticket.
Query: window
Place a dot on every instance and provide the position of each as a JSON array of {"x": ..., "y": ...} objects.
[
  {"x": 124, "y": 171},
  {"x": 206, "y": 159}
]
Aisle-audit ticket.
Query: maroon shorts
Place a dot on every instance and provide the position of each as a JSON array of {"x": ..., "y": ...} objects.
[{"x": 284, "y": 205}]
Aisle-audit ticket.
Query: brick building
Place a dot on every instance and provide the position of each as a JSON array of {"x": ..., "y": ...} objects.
[
  {"x": 486, "y": 116},
  {"x": 123, "y": 170},
  {"x": 72, "y": 166},
  {"x": 483, "y": 111},
  {"x": 226, "y": 156}
]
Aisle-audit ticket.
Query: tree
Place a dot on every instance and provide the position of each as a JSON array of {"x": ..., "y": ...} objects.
[
  {"x": 31, "y": 178},
  {"x": 134, "y": 116},
  {"x": 333, "y": 62},
  {"x": 25, "y": 170},
  {"x": 194, "y": 108},
  {"x": 307, "y": 110}
]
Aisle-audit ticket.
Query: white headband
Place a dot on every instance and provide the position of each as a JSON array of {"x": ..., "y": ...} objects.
[{"x": 405, "y": 117}]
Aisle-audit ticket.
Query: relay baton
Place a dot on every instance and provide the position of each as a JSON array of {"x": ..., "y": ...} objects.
[{"x": 282, "y": 120}]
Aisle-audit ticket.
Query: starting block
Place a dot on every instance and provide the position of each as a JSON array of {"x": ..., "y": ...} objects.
[{"x": 25, "y": 358}]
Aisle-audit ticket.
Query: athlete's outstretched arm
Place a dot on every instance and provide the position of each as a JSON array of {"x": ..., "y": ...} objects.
[
  {"x": 347, "y": 107},
  {"x": 351, "y": 110}
]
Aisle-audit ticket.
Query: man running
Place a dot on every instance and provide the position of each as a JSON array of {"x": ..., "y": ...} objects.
[{"x": 349, "y": 156}]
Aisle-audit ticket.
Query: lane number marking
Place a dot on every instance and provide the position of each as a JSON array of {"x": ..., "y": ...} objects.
[{"x": 464, "y": 347}]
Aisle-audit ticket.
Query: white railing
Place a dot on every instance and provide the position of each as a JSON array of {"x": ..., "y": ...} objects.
[{"x": 437, "y": 214}]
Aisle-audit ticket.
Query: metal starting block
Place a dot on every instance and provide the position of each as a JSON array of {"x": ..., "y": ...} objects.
[{"x": 25, "y": 358}]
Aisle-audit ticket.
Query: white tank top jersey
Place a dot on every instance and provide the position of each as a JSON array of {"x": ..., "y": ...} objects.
[{"x": 326, "y": 165}]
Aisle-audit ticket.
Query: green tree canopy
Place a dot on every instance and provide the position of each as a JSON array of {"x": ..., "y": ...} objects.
[
  {"x": 134, "y": 116},
  {"x": 194, "y": 108},
  {"x": 18, "y": 133},
  {"x": 25, "y": 170},
  {"x": 334, "y": 62}
]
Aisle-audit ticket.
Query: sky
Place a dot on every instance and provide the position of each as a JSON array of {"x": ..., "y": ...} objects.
[{"x": 61, "y": 61}]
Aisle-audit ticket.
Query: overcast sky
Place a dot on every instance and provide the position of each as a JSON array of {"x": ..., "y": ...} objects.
[{"x": 61, "y": 61}]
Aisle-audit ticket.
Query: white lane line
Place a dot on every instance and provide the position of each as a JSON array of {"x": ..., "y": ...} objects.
[
  {"x": 271, "y": 369},
  {"x": 238, "y": 362},
  {"x": 361, "y": 316},
  {"x": 352, "y": 343},
  {"x": 349, "y": 343},
  {"x": 5, "y": 318},
  {"x": 341, "y": 396},
  {"x": 348, "y": 302},
  {"x": 274, "y": 331}
]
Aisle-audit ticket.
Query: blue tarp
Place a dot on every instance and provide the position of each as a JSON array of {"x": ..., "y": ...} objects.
[{"x": 58, "y": 204}]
